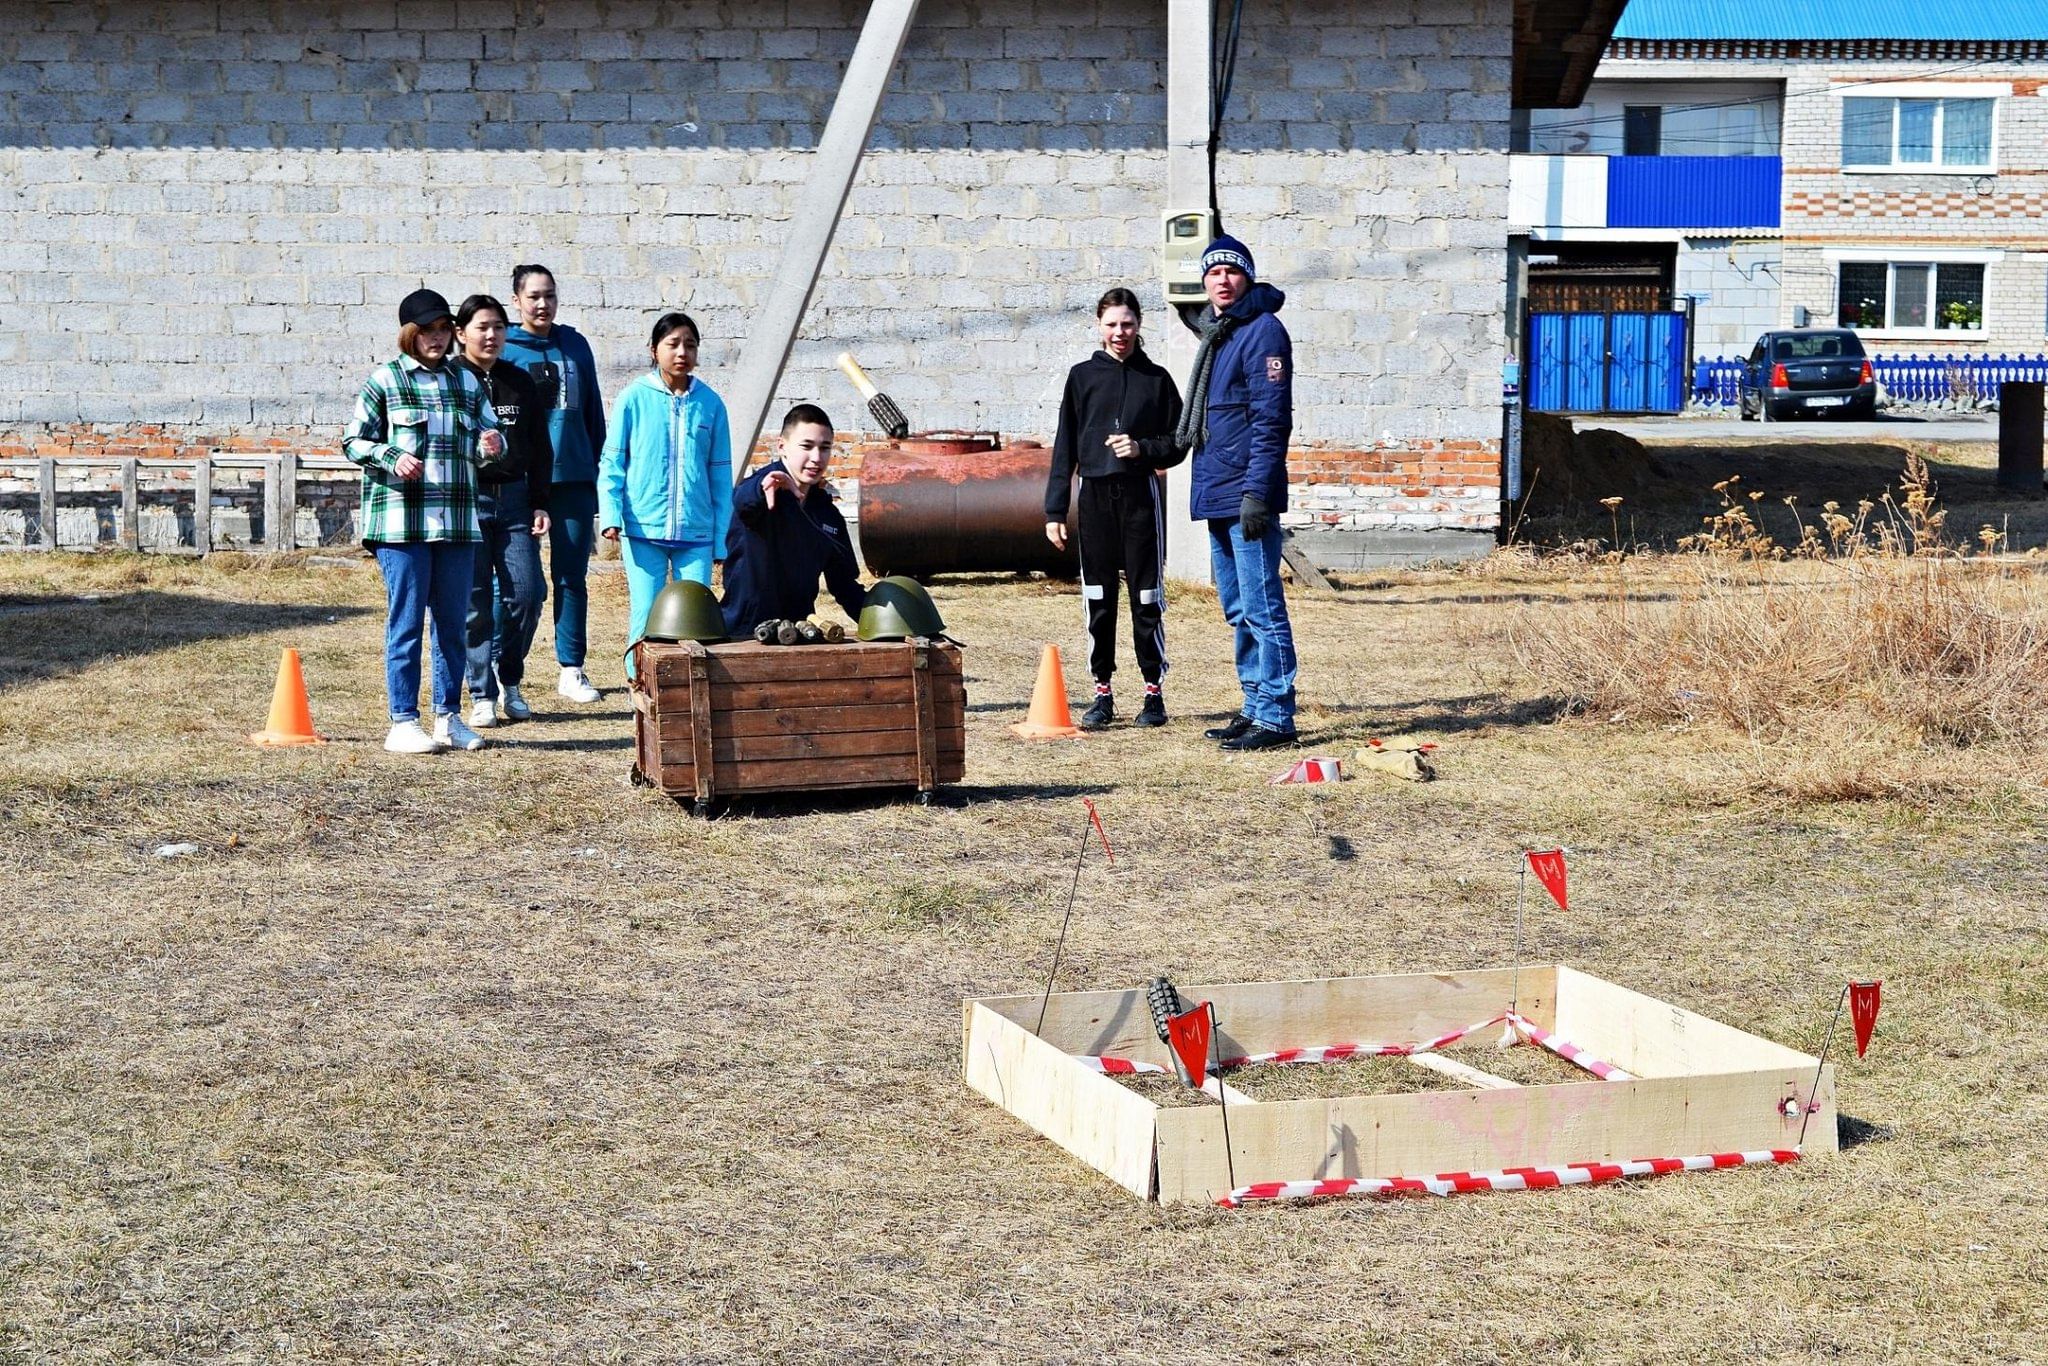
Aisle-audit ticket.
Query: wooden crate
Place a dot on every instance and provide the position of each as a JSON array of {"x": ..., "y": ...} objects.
[
  {"x": 1696, "y": 1086},
  {"x": 717, "y": 721}
]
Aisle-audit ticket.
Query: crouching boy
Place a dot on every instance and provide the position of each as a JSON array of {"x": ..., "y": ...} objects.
[{"x": 787, "y": 532}]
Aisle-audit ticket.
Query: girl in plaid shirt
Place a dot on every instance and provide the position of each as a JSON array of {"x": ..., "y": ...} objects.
[{"x": 421, "y": 426}]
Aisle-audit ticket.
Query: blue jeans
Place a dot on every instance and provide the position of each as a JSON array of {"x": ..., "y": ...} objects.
[
  {"x": 1248, "y": 583},
  {"x": 571, "y": 534},
  {"x": 506, "y": 591},
  {"x": 422, "y": 579},
  {"x": 649, "y": 567}
]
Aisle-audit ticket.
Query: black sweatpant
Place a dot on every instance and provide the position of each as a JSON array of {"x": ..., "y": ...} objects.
[{"x": 1123, "y": 529}]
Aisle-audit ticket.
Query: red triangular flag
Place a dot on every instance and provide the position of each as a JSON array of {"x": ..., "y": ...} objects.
[
  {"x": 1548, "y": 865},
  {"x": 1863, "y": 1002},
  {"x": 1095, "y": 816},
  {"x": 1188, "y": 1032}
]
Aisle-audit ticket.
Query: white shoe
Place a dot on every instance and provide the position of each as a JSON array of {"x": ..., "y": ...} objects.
[
  {"x": 512, "y": 705},
  {"x": 575, "y": 686},
  {"x": 409, "y": 737},
  {"x": 450, "y": 733},
  {"x": 483, "y": 714}
]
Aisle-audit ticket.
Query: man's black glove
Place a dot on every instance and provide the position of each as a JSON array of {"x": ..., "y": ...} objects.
[{"x": 1252, "y": 517}]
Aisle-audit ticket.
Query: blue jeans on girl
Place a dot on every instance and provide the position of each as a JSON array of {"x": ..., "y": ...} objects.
[
  {"x": 506, "y": 591},
  {"x": 424, "y": 579}
]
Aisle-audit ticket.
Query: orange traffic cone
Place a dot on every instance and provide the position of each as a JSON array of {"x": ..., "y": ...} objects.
[
  {"x": 291, "y": 716},
  {"x": 1049, "y": 717}
]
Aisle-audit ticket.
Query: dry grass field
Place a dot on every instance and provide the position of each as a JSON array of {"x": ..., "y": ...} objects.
[{"x": 496, "y": 1057}]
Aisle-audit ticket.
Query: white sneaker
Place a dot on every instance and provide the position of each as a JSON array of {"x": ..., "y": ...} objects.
[
  {"x": 451, "y": 733},
  {"x": 483, "y": 714},
  {"x": 576, "y": 687},
  {"x": 409, "y": 737},
  {"x": 512, "y": 704}
]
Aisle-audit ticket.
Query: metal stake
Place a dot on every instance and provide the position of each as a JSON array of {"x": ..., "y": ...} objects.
[
  {"x": 1222, "y": 1095},
  {"x": 1813, "y": 1092},
  {"x": 1061, "y": 947},
  {"x": 1521, "y": 898}
]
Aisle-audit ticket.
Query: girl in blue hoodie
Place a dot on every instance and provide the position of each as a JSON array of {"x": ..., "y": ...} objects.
[{"x": 664, "y": 483}]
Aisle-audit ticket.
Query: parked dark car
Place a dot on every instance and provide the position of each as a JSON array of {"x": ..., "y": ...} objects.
[{"x": 1811, "y": 371}]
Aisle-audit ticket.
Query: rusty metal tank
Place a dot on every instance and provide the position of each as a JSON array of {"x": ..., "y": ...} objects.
[{"x": 959, "y": 503}]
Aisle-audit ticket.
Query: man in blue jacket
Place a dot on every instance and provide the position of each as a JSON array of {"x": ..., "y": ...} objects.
[
  {"x": 786, "y": 532},
  {"x": 1239, "y": 414}
]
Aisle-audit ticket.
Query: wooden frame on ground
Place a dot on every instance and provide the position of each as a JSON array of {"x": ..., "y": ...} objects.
[{"x": 1696, "y": 1085}]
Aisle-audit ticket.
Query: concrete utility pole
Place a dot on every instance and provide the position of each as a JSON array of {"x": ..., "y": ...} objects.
[
  {"x": 833, "y": 165},
  {"x": 1190, "y": 112}
]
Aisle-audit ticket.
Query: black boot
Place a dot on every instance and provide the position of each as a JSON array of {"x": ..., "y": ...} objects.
[
  {"x": 1258, "y": 737},
  {"x": 1153, "y": 713},
  {"x": 1100, "y": 713},
  {"x": 1230, "y": 730}
]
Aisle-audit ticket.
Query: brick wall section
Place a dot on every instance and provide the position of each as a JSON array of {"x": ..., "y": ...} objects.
[
  {"x": 258, "y": 183},
  {"x": 1826, "y": 207}
]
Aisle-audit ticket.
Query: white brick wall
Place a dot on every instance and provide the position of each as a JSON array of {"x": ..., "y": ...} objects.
[{"x": 209, "y": 211}]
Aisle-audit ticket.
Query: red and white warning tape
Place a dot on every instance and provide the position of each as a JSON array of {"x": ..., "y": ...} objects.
[
  {"x": 1510, "y": 1179},
  {"x": 1338, "y": 1052},
  {"x": 1566, "y": 1049}
]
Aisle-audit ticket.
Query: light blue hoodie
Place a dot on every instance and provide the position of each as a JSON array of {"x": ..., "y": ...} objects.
[{"x": 666, "y": 473}]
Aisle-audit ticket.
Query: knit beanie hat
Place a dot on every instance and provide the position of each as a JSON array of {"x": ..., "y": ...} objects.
[{"x": 1228, "y": 251}]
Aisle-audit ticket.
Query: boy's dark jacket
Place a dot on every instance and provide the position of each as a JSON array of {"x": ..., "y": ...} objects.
[
  {"x": 1100, "y": 390},
  {"x": 529, "y": 453},
  {"x": 1250, "y": 414},
  {"x": 773, "y": 557}
]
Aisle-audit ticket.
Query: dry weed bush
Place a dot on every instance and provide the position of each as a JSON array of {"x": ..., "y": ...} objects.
[{"x": 1875, "y": 628}]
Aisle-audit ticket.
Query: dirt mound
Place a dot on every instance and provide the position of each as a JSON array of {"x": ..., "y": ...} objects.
[{"x": 1566, "y": 472}]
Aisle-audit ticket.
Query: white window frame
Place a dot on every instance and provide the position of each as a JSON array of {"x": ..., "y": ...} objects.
[
  {"x": 1995, "y": 91},
  {"x": 1916, "y": 256}
]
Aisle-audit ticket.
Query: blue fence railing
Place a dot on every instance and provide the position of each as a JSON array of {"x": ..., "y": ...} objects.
[{"x": 1906, "y": 379}]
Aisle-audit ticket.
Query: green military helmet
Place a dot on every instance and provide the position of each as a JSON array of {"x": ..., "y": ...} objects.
[
  {"x": 684, "y": 610},
  {"x": 897, "y": 607}
]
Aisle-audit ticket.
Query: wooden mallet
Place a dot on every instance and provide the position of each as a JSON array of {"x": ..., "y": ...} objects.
[{"x": 880, "y": 406}]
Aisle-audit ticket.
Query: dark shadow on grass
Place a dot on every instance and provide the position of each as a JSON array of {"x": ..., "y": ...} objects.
[
  {"x": 1340, "y": 849},
  {"x": 773, "y": 806},
  {"x": 73, "y": 634},
  {"x": 1851, "y": 1132},
  {"x": 568, "y": 746}
]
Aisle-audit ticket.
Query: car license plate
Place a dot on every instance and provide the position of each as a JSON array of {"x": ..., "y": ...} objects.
[{"x": 1826, "y": 402}]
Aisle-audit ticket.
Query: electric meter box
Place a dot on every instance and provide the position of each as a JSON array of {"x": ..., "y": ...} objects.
[{"x": 1188, "y": 234}]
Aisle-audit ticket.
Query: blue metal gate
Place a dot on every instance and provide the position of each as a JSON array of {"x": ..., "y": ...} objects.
[{"x": 1607, "y": 362}]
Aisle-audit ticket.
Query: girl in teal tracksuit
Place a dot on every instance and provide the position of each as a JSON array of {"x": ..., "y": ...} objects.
[{"x": 664, "y": 483}]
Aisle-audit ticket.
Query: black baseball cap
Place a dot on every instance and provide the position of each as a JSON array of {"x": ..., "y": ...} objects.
[{"x": 424, "y": 306}]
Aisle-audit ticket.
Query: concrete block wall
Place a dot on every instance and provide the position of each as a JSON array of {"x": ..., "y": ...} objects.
[
  {"x": 1736, "y": 281},
  {"x": 209, "y": 211}
]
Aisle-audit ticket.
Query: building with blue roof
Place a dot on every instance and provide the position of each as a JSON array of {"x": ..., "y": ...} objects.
[{"x": 1881, "y": 166}]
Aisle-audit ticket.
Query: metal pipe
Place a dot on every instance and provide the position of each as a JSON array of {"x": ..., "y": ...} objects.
[{"x": 959, "y": 503}]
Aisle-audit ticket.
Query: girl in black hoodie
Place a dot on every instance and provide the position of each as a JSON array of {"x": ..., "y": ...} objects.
[{"x": 1116, "y": 431}]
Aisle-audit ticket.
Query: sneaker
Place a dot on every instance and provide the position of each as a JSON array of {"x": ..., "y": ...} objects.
[
  {"x": 575, "y": 686},
  {"x": 409, "y": 737},
  {"x": 1153, "y": 713},
  {"x": 513, "y": 706},
  {"x": 450, "y": 733},
  {"x": 483, "y": 713},
  {"x": 1259, "y": 737},
  {"x": 1100, "y": 713},
  {"x": 1230, "y": 730}
]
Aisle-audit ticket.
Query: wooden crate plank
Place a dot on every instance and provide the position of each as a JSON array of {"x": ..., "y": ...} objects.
[
  {"x": 1259, "y": 1017},
  {"x": 700, "y": 708},
  {"x": 1427, "y": 1132},
  {"x": 1106, "y": 1125},
  {"x": 796, "y": 775},
  {"x": 843, "y": 692},
  {"x": 1653, "y": 1038},
  {"x": 813, "y": 720},
  {"x": 846, "y": 745},
  {"x": 927, "y": 741}
]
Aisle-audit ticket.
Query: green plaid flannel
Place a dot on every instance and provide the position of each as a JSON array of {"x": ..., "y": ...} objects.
[{"x": 437, "y": 415}]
